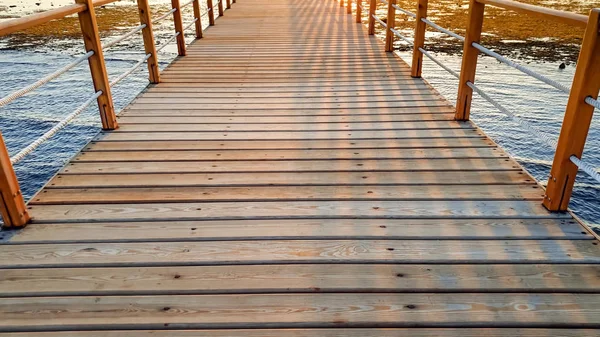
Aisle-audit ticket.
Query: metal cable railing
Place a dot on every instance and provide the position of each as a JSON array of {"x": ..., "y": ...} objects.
[{"x": 11, "y": 97}]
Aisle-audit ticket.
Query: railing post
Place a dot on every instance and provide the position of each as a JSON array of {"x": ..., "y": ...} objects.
[
  {"x": 578, "y": 116},
  {"x": 220, "y": 5},
  {"x": 178, "y": 28},
  {"x": 359, "y": 11},
  {"x": 349, "y": 7},
  {"x": 469, "y": 60},
  {"x": 198, "y": 16},
  {"x": 211, "y": 12},
  {"x": 12, "y": 206},
  {"x": 342, "y": 3},
  {"x": 420, "y": 29},
  {"x": 91, "y": 40},
  {"x": 372, "y": 8},
  {"x": 391, "y": 24},
  {"x": 149, "y": 46},
  {"x": 228, "y": 4}
]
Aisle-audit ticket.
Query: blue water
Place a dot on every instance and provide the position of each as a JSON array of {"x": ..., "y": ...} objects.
[{"x": 27, "y": 118}]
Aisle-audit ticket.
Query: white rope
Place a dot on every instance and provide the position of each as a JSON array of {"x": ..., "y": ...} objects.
[
  {"x": 131, "y": 70},
  {"x": 378, "y": 20},
  {"x": 443, "y": 30},
  {"x": 46, "y": 79},
  {"x": 439, "y": 63},
  {"x": 190, "y": 24},
  {"x": 385, "y": 2},
  {"x": 593, "y": 102},
  {"x": 123, "y": 37},
  {"x": 398, "y": 34},
  {"x": 413, "y": 15},
  {"x": 585, "y": 167},
  {"x": 162, "y": 17},
  {"x": 549, "y": 141},
  {"x": 168, "y": 41},
  {"x": 42, "y": 139},
  {"x": 187, "y": 4},
  {"x": 525, "y": 70}
]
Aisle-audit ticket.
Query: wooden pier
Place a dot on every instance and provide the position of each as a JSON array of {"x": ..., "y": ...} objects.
[{"x": 289, "y": 178}]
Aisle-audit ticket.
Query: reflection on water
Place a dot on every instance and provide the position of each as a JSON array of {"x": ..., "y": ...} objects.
[{"x": 26, "y": 119}]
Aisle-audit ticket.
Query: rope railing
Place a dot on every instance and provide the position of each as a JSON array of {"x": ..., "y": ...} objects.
[
  {"x": 167, "y": 42},
  {"x": 547, "y": 140},
  {"x": 380, "y": 21},
  {"x": 521, "y": 68},
  {"x": 123, "y": 37},
  {"x": 187, "y": 4},
  {"x": 402, "y": 37},
  {"x": 383, "y": 1},
  {"x": 443, "y": 30},
  {"x": 585, "y": 167},
  {"x": 43, "y": 138},
  {"x": 593, "y": 102},
  {"x": 189, "y": 25},
  {"x": 164, "y": 16},
  {"x": 11, "y": 97},
  {"x": 131, "y": 70},
  {"x": 404, "y": 11},
  {"x": 439, "y": 63}
]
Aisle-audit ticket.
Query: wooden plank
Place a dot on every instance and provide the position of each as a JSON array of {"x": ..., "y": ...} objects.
[
  {"x": 146, "y": 254},
  {"x": 292, "y": 209},
  {"x": 302, "y": 229},
  {"x": 264, "y": 193},
  {"x": 174, "y": 179},
  {"x": 340, "y": 332},
  {"x": 292, "y": 105},
  {"x": 299, "y": 279},
  {"x": 213, "y": 155},
  {"x": 404, "y": 165},
  {"x": 101, "y": 145},
  {"x": 299, "y": 310},
  {"x": 293, "y": 127},
  {"x": 299, "y": 135},
  {"x": 401, "y": 97}
]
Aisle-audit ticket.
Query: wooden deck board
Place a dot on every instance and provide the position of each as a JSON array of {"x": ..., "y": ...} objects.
[{"x": 288, "y": 173}]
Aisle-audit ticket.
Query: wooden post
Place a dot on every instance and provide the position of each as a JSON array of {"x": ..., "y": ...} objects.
[
  {"x": 228, "y": 4},
  {"x": 372, "y": 8},
  {"x": 178, "y": 28},
  {"x": 419, "y": 42},
  {"x": 220, "y": 5},
  {"x": 342, "y": 3},
  {"x": 578, "y": 116},
  {"x": 359, "y": 11},
  {"x": 12, "y": 206},
  {"x": 232, "y": 1},
  {"x": 91, "y": 40},
  {"x": 469, "y": 60},
  {"x": 198, "y": 16},
  {"x": 349, "y": 7},
  {"x": 149, "y": 46},
  {"x": 391, "y": 24},
  {"x": 211, "y": 12}
]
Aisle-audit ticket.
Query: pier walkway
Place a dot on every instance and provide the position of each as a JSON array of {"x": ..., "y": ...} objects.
[{"x": 289, "y": 178}]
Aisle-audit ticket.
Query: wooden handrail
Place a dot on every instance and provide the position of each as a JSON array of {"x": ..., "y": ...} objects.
[
  {"x": 546, "y": 13},
  {"x": 15, "y": 25}
]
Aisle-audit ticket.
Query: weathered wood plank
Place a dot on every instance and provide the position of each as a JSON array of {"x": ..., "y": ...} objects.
[
  {"x": 340, "y": 332},
  {"x": 299, "y": 279},
  {"x": 300, "y": 310},
  {"x": 304, "y": 251},
  {"x": 391, "y": 229},
  {"x": 301, "y": 154},
  {"x": 293, "y": 105},
  {"x": 292, "y": 178}
]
